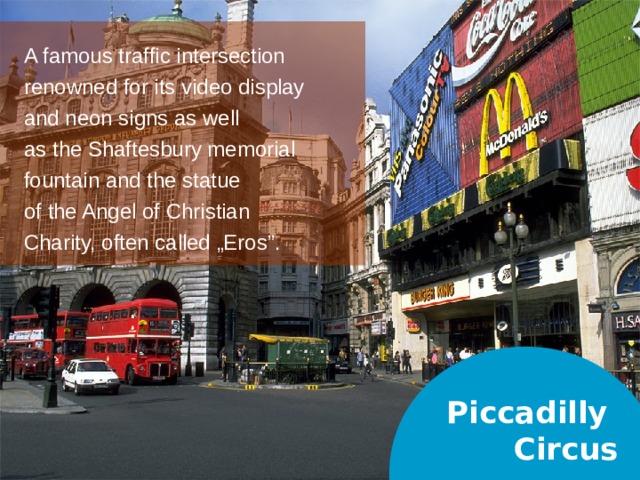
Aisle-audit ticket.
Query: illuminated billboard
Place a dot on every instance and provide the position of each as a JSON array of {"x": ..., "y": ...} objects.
[
  {"x": 424, "y": 135},
  {"x": 607, "y": 40},
  {"x": 492, "y": 37},
  {"x": 533, "y": 105}
]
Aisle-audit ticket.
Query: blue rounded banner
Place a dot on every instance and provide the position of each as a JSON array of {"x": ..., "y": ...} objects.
[{"x": 525, "y": 412}]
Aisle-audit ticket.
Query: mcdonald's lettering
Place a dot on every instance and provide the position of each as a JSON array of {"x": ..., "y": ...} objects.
[{"x": 508, "y": 136}]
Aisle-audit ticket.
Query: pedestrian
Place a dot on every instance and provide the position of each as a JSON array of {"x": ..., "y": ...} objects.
[
  {"x": 456, "y": 355},
  {"x": 374, "y": 359},
  {"x": 366, "y": 364},
  {"x": 448, "y": 358},
  {"x": 359, "y": 359},
  {"x": 466, "y": 353},
  {"x": 407, "y": 357},
  {"x": 244, "y": 353},
  {"x": 434, "y": 357},
  {"x": 396, "y": 362}
]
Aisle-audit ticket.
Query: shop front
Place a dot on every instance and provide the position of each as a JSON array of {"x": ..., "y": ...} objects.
[
  {"x": 626, "y": 331},
  {"x": 337, "y": 332}
]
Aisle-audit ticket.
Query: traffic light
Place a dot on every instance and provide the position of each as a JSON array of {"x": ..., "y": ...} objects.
[
  {"x": 7, "y": 324},
  {"x": 391, "y": 332},
  {"x": 188, "y": 330},
  {"x": 48, "y": 304}
]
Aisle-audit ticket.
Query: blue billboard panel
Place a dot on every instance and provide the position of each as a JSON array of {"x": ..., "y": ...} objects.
[{"x": 424, "y": 133}]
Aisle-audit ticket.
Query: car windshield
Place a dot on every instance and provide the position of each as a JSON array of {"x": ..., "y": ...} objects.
[
  {"x": 35, "y": 354},
  {"x": 93, "y": 367}
]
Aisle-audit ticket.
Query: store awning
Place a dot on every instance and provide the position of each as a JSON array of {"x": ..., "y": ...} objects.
[{"x": 283, "y": 338}]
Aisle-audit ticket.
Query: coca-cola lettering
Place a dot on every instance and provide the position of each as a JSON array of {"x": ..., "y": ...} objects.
[{"x": 489, "y": 30}]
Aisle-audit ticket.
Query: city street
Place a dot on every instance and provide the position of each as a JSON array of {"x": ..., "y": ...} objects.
[{"x": 192, "y": 431}]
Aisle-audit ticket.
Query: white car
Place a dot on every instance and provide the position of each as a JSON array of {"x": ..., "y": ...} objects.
[{"x": 88, "y": 375}]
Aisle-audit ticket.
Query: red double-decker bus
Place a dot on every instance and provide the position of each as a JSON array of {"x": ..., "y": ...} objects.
[
  {"x": 137, "y": 339},
  {"x": 71, "y": 333}
]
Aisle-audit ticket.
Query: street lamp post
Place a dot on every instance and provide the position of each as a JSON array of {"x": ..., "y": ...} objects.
[{"x": 515, "y": 235}]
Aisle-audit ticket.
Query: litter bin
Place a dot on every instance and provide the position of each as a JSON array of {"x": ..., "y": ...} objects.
[{"x": 199, "y": 369}]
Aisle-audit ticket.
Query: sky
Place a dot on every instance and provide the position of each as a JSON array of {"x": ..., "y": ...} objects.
[{"x": 396, "y": 30}]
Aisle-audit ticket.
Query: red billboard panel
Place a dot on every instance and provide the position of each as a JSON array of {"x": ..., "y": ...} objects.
[
  {"x": 494, "y": 30},
  {"x": 535, "y": 104}
]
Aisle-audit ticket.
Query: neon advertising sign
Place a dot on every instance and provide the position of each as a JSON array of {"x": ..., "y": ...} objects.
[
  {"x": 488, "y": 32},
  {"x": 633, "y": 174},
  {"x": 508, "y": 135},
  {"x": 425, "y": 119}
]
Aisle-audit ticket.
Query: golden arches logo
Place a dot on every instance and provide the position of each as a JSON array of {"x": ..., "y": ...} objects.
[{"x": 503, "y": 116}]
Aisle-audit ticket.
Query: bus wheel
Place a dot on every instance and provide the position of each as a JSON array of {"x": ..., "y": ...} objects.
[{"x": 131, "y": 376}]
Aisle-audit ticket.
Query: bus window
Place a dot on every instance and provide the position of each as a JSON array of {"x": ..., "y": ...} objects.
[
  {"x": 149, "y": 312},
  {"x": 131, "y": 346},
  {"x": 116, "y": 314},
  {"x": 133, "y": 313},
  {"x": 164, "y": 347},
  {"x": 168, "y": 313}
]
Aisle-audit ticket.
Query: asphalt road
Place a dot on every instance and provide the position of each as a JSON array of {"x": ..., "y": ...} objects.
[{"x": 191, "y": 432}]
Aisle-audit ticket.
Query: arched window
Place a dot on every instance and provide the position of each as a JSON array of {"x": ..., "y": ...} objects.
[
  {"x": 74, "y": 106},
  {"x": 629, "y": 281}
]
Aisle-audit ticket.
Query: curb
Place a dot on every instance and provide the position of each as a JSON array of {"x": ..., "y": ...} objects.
[{"x": 302, "y": 386}]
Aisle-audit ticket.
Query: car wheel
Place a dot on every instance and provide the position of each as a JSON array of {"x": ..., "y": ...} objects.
[
  {"x": 65, "y": 388},
  {"x": 76, "y": 389},
  {"x": 115, "y": 391},
  {"x": 131, "y": 376}
]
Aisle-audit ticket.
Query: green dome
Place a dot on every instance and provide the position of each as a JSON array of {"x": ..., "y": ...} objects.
[{"x": 173, "y": 24}]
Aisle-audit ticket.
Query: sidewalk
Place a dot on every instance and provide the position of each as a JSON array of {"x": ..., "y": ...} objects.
[
  {"x": 21, "y": 397},
  {"x": 414, "y": 378}
]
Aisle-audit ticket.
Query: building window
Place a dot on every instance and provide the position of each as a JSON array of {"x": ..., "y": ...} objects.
[
  {"x": 182, "y": 92},
  {"x": 289, "y": 246},
  {"x": 289, "y": 268},
  {"x": 289, "y": 187},
  {"x": 163, "y": 226},
  {"x": 288, "y": 226},
  {"x": 50, "y": 166},
  {"x": 289, "y": 286},
  {"x": 101, "y": 228},
  {"x": 264, "y": 226},
  {"x": 5, "y": 194},
  {"x": 73, "y": 107},
  {"x": 264, "y": 268},
  {"x": 145, "y": 99},
  {"x": 263, "y": 286},
  {"x": 42, "y": 110}
]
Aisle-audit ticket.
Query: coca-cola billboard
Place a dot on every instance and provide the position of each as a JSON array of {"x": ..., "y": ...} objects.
[{"x": 493, "y": 36}]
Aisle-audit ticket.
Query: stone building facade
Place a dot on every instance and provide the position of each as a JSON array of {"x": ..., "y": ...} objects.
[{"x": 217, "y": 288}]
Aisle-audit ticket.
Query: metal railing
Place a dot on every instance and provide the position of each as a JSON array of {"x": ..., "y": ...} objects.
[
  {"x": 275, "y": 373},
  {"x": 431, "y": 370}
]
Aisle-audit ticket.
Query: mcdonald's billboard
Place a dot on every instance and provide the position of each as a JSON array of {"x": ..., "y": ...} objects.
[
  {"x": 535, "y": 104},
  {"x": 424, "y": 136}
]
